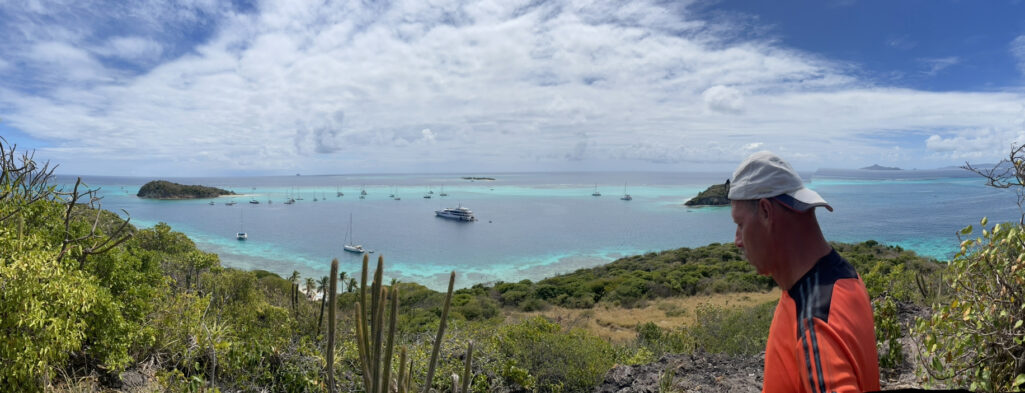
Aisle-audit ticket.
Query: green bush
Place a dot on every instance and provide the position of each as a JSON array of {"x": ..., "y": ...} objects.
[
  {"x": 732, "y": 331},
  {"x": 573, "y": 360},
  {"x": 888, "y": 332},
  {"x": 978, "y": 339}
]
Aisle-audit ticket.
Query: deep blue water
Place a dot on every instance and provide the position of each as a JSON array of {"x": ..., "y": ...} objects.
[{"x": 533, "y": 225}]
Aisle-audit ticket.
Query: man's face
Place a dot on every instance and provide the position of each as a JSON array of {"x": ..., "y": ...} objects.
[{"x": 752, "y": 234}]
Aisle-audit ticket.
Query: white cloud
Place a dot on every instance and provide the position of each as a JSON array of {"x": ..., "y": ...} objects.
[
  {"x": 1018, "y": 50},
  {"x": 65, "y": 62},
  {"x": 975, "y": 144},
  {"x": 934, "y": 66},
  {"x": 132, "y": 48},
  {"x": 724, "y": 99},
  {"x": 902, "y": 42},
  {"x": 507, "y": 84},
  {"x": 428, "y": 135}
]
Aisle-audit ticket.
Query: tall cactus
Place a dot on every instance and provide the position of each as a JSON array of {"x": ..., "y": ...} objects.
[
  {"x": 441, "y": 332},
  {"x": 376, "y": 351},
  {"x": 333, "y": 291}
]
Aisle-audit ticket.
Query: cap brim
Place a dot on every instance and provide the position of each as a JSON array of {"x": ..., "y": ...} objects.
[{"x": 803, "y": 199}]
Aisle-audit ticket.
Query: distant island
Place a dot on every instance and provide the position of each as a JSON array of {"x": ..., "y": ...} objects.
[
  {"x": 877, "y": 167},
  {"x": 716, "y": 195},
  {"x": 162, "y": 189},
  {"x": 477, "y": 178}
]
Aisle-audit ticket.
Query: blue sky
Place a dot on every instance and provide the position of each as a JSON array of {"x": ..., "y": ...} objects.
[
  {"x": 933, "y": 45},
  {"x": 205, "y": 87}
]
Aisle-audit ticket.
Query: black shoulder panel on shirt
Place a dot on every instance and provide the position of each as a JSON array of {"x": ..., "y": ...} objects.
[{"x": 813, "y": 293}]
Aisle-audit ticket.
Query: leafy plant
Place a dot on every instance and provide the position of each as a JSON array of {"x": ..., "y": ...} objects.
[
  {"x": 978, "y": 339},
  {"x": 535, "y": 344}
]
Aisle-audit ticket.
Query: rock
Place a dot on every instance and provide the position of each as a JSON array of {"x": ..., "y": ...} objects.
[
  {"x": 698, "y": 372},
  {"x": 716, "y": 195}
]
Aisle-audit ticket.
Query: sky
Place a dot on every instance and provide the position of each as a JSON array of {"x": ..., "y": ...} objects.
[{"x": 227, "y": 88}]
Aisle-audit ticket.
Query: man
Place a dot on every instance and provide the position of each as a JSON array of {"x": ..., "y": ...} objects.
[{"x": 822, "y": 337}]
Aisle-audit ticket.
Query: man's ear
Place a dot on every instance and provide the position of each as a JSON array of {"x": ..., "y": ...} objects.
[{"x": 764, "y": 209}]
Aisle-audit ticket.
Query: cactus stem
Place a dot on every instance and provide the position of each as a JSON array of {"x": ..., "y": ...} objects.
[
  {"x": 333, "y": 287},
  {"x": 441, "y": 332}
]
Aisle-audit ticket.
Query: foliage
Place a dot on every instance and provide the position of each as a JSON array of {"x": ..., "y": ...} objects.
[
  {"x": 978, "y": 339},
  {"x": 535, "y": 344},
  {"x": 44, "y": 307},
  {"x": 888, "y": 332},
  {"x": 716, "y": 268},
  {"x": 733, "y": 331}
]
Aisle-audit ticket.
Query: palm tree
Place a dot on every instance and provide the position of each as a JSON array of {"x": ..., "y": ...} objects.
[
  {"x": 342, "y": 276},
  {"x": 351, "y": 286},
  {"x": 294, "y": 278},
  {"x": 322, "y": 287},
  {"x": 311, "y": 284}
]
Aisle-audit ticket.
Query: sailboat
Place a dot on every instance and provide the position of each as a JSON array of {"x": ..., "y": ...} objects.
[
  {"x": 338, "y": 193},
  {"x": 289, "y": 199},
  {"x": 596, "y": 193},
  {"x": 356, "y": 248},
  {"x": 241, "y": 234},
  {"x": 443, "y": 191},
  {"x": 626, "y": 197}
]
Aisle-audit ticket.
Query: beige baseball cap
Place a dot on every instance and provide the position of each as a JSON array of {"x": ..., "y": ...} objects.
[{"x": 766, "y": 175}]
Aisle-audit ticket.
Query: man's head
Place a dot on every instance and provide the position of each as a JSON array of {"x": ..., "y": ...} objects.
[{"x": 771, "y": 208}]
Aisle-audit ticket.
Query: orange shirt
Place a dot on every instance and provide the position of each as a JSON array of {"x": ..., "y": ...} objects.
[{"x": 822, "y": 337}]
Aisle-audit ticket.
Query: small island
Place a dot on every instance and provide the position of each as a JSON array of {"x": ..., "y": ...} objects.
[
  {"x": 162, "y": 189},
  {"x": 478, "y": 178},
  {"x": 877, "y": 167},
  {"x": 716, "y": 195}
]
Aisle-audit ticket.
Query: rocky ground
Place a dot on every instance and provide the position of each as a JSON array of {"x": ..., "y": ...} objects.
[{"x": 698, "y": 372}]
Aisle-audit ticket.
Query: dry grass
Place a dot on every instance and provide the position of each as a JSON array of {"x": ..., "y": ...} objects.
[{"x": 619, "y": 324}]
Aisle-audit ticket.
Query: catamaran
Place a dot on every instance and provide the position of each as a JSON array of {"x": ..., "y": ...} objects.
[
  {"x": 356, "y": 248},
  {"x": 626, "y": 197},
  {"x": 595, "y": 193},
  {"x": 241, "y": 234}
]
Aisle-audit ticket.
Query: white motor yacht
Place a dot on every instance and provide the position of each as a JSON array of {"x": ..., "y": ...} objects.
[{"x": 460, "y": 213}]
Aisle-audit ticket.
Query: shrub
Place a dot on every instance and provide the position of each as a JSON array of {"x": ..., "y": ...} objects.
[
  {"x": 888, "y": 332},
  {"x": 573, "y": 360},
  {"x": 978, "y": 339},
  {"x": 732, "y": 331}
]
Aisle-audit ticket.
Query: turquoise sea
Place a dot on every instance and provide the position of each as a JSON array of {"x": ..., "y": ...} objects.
[{"x": 532, "y": 225}]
